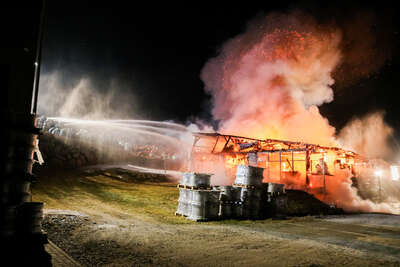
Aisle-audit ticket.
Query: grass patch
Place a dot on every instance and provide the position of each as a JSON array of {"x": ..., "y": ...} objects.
[{"x": 78, "y": 189}]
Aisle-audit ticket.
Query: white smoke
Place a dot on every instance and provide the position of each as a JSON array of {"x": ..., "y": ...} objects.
[
  {"x": 368, "y": 136},
  {"x": 268, "y": 81},
  {"x": 80, "y": 99}
]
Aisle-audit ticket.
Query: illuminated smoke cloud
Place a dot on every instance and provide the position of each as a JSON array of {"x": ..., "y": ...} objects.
[
  {"x": 367, "y": 136},
  {"x": 268, "y": 81}
]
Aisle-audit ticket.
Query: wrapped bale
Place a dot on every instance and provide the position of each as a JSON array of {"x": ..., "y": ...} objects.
[{"x": 249, "y": 175}]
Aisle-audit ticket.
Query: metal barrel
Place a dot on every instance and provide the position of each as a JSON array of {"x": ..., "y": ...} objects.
[
  {"x": 225, "y": 210},
  {"x": 20, "y": 152},
  {"x": 276, "y": 188},
  {"x": 184, "y": 178},
  {"x": 196, "y": 179},
  {"x": 8, "y": 217},
  {"x": 30, "y": 216},
  {"x": 184, "y": 202},
  {"x": 280, "y": 205},
  {"x": 18, "y": 166},
  {"x": 20, "y": 135},
  {"x": 14, "y": 191},
  {"x": 200, "y": 196},
  {"x": 251, "y": 202},
  {"x": 181, "y": 202},
  {"x": 226, "y": 193},
  {"x": 237, "y": 210},
  {"x": 182, "y": 195},
  {"x": 249, "y": 175},
  {"x": 204, "y": 205},
  {"x": 181, "y": 208},
  {"x": 212, "y": 211},
  {"x": 236, "y": 192},
  {"x": 253, "y": 209}
]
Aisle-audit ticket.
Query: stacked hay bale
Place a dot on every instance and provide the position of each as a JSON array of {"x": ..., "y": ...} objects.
[{"x": 247, "y": 198}]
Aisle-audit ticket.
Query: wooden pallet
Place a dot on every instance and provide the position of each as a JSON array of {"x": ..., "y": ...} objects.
[
  {"x": 245, "y": 186},
  {"x": 237, "y": 202},
  {"x": 194, "y": 187}
]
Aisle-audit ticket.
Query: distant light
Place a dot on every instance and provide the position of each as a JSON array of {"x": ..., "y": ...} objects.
[
  {"x": 395, "y": 173},
  {"x": 378, "y": 173},
  {"x": 36, "y": 64}
]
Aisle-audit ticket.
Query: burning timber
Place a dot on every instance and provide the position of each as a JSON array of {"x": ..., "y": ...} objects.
[
  {"x": 323, "y": 172},
  {"x": 298, "y": 165}
]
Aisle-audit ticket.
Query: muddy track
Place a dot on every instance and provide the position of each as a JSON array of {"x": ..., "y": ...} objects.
[{"x": 122, "y": 240}]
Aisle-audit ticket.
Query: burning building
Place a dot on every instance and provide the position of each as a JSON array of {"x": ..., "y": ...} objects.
[
  {"x": 300, "y": 166},
  {"x": 257, "y": 173}
]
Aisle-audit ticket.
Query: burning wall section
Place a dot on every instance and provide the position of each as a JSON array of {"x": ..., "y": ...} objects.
[{"x": 319, "y": 170}]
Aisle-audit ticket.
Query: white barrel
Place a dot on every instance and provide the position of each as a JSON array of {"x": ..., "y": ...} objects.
[
  {"x": 249, "y": 175},
  {"x": 276, "y": 188}
]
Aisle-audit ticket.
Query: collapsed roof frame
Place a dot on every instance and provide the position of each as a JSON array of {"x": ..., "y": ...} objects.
[
  {"x": 254, "y": 146},
  {"x": 265, "y": 145}
]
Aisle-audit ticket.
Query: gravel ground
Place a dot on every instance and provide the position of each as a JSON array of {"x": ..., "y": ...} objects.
[
  {"x": 115, "y": 241},
  {"x": 367, "y": 219},
  {"x": 74, "y": 234},
  {"x": 59, "y": 227}
]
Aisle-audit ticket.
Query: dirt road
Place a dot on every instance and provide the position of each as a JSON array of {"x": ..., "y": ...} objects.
[
  {"x": 101, "y": 221},
  {"x": 119, "y": 239}
]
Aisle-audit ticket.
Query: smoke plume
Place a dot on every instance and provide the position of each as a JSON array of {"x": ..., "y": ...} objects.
[
  {"x": 268, "y": 81},
  {"x": 79, "y": 98},
  {"x": 367, "y": 136}
]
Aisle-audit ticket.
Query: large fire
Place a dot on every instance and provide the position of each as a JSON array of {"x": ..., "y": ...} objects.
[
  {"x": 267, "y": 83},
  {"x": 330, "y": 173}
]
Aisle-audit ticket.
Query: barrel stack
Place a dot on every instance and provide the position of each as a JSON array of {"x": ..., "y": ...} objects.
[
  {"x": 247, "y": 198},
  {"x": 20, "y": 224},
  {"x": 198, "y": 201}
]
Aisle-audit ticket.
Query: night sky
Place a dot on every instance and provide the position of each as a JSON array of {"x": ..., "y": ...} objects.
[{"x": 159, "y": 51}]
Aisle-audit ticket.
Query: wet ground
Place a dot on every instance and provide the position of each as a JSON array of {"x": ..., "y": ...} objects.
[
  {"x": 124, "y": 240},
  {"x": 109, "y": 219}
]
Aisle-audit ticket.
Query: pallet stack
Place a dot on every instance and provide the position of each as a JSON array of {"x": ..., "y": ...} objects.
[
  {"x": 247, "y": 198},
  {"x": 198, "y": 201}
]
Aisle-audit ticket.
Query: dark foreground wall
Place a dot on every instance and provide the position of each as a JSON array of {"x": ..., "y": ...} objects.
[{"x": 20, "y": 219}]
